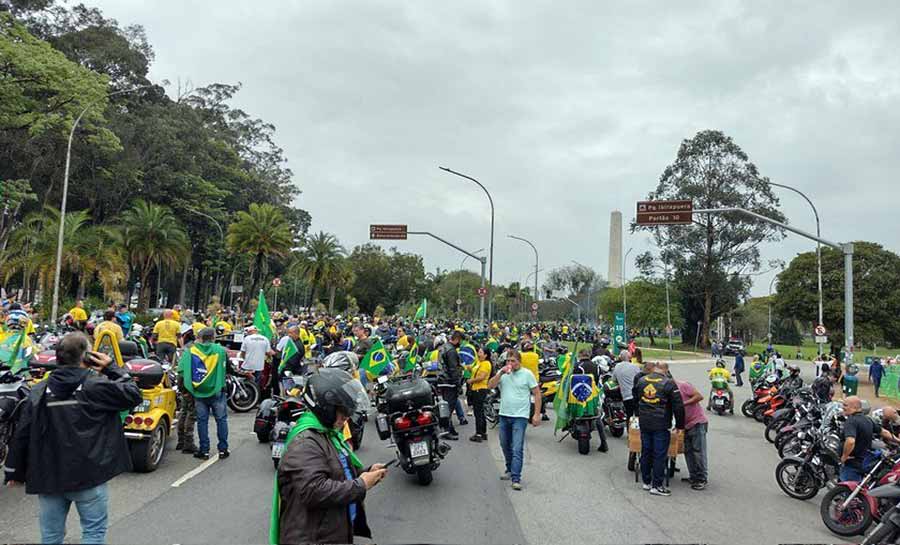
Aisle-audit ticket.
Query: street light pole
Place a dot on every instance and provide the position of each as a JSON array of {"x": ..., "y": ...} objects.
[
  {"x": 624, "y": 297},
  {"x": 459, "y": 287},
  {"x": 526, "y": 241},
  {"x": 490, "y": 287},
  {"x": 771, "y": 284},
  {"x": 222, "y": 234},
  {"x": 65, "y": 194},
  {"x": 818, "y": 248}
]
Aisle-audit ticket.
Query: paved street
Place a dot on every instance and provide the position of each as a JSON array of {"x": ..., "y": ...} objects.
[{"x": 567, "y": 498}]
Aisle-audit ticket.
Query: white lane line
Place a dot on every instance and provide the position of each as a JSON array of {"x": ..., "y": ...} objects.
[{"x": 196, "y": 471}]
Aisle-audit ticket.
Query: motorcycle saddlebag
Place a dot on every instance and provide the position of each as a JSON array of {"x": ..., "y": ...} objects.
[
  {"x": 148, "y": 373},
  {"x": 408, "y": 394}
]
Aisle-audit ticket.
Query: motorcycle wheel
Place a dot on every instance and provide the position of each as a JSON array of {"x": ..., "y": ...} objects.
[
  {"x": 617, "y": 432},
  {"x": 584, "y": 445},
  {"x": 747, "y": 408},
  {"x": 773, "y": 428},
  {"x": 147, "y": 454},
  {"x": 424, "y": 476},
  {"x": 275, "y": 463},
  {"x": 356, "y": 436},
  {"x": 759, "y": 413},
  {"x": 796, "y": 480},
  {"x": 246, "y": 396},
  {"x": 852, "y": 521},
  {"x": 782, "y": 438}
]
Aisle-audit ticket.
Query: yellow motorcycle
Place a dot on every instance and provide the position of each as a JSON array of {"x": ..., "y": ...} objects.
[{"x": 148, "y": 425}]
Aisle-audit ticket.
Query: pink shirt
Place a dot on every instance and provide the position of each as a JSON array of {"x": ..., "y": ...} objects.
[{"x": 693, "y": 414}]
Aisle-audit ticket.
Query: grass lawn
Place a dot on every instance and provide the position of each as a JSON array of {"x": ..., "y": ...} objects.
[
  {"x": 661, "y": 352},
  {"x": 810, "y": 350}
]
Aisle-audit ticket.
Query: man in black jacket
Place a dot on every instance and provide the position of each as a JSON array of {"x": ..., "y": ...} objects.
[
  {"x": 658, "y": 402},
  {"x": 69, "y": 440},
  {"x": 451, "y": 374}
]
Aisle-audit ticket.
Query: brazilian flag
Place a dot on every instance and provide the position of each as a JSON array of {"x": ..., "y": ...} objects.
[
  {"x": 409, "y": 363},
  {"x": 584, "y": 396},
  {"x": 564, "y": 362},
  {"x": 203, "y": 369},
  {"x": 468, "y": 356},
  {"x": 15, "y": 351},
  {"x": 422, "y": 311},
  {"x": 262, "y": 321},
  {"x": 376, "y": 361}
]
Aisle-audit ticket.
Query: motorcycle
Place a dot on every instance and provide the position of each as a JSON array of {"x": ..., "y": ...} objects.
[
  {"x": 582, "y": 410},
  {"x": 492, "y": 407},
  {"x": 801, "y": 477},
  {"x": 14, "y": 390},
  {"x": 241, "y": 387},
  {"x": 613, "y": 406},
  {"x": 848, "y": 509},
  {"x": 719, "y": 400},
  {"x": 888, "y": 530},
  {"x": 277, "y": 415},
  {"x": 763, "y": 389},
  {"x": 147, "y": 426},
  {"x": 406, "y": 413}
]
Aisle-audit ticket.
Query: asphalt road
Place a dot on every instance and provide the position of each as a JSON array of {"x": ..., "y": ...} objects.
[{"x": 567, "y": 498}]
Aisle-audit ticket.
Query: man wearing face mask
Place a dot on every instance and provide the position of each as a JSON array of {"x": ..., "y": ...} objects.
[{"x": 321, "y": 485}]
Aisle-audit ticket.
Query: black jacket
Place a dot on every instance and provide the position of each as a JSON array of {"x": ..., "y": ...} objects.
[
  {"x": 450, "y": 368},
  {"x": 658, "y": 400},
  {"x": 69, "y": 436}
]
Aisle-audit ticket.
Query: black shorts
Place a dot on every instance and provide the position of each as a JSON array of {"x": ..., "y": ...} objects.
[{"x": 166, "y": 351}]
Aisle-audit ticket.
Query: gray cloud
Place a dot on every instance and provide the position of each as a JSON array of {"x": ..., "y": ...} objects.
[{"x": 565, "y": 111}]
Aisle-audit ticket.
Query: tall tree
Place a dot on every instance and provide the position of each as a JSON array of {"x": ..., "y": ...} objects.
[
  {"x": 321, "y": 258},
  {"x": 153, "y": 238},
  {"x": 261, "y": 232},
  {"x": 713, "y": 172}
]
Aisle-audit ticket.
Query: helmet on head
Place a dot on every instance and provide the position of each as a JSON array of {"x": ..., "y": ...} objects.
[
  {"x": 771, "y": 379},
  {"x": 604, "y": 342},
  {"x": 439, "y": 340},
  {"x": 343, "y": 360},
  {"x": 527, "y": 346},
  {"x": 602, "y": 363},
  {"x": 220, "y": 329},
  {"x": 793, "y": 368},
  {"x": 330, "y": 390},
  {"x": 720, "y": 364},
  {"x": 136, "y": 329}
]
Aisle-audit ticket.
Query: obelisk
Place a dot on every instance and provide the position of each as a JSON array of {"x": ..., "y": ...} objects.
[{"x": 615, "y": 250}]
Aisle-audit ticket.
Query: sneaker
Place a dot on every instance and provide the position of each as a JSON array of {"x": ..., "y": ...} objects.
[
  {"x": 603, "y": 448},
  {"x": 516, "y": 486},
  {"x": 661, "y": 491},
  {"x": 646, "y": 486},
  {"x": 201, "y": 455},
  {"x": 463, "y": 422},
  {"x": 545, "y": 418},
  {"x": 476, "y": 438},
  {"x": 452, "y": 436},
  {"x": 224, "y": 454},
  {"x": 687, "y": 480},
  {"x": 484, "y": 437},
  {"x": 699, "y": 485},
  {"x": 506, "y": 476}
]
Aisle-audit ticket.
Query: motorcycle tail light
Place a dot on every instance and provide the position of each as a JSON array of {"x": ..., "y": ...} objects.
[
  {"x": 129, "y": 419},
  {"x": 138, "y": 421},
  {"x": 424, "y": 419},
  {"x": 148, "y": 421},
  {"x": 720, "y": 392},
  {"x": 403, "y": 423}
]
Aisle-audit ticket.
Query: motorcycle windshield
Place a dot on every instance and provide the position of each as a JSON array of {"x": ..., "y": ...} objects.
[{"x": 358, "y": 392}]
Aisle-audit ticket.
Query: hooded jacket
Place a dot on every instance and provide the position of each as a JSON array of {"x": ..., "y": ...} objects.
[{"x": 69, "y": 436}]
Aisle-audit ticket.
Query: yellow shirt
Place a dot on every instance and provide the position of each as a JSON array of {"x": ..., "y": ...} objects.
[
  {"x": 197, "y": 326},
  {"x": 226, "y": 326},
  {"x": 176, "y": 315},
  {"x": 403, "y": 342},
  {"x": 113, "y": 327},
  {"x": 530, "y": 362},
  {"x": 78, "y": 314},
  {"x": 477, "y": 369},
  {"x": 719, "y": 373},
  {"x": 308, "y": 341},
  {"x": 166, "y": 331}
]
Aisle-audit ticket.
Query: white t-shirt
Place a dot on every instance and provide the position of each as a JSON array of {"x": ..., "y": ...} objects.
[
  {"x": 282, "y": 342},
  {"x": 254, "y": 348}
]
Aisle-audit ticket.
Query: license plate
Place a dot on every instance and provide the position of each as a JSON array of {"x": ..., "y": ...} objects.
[
  {"x": 719, "y": 401},
  {"x": 419, "y": 449},
  {"x": 277, "y": 450}
]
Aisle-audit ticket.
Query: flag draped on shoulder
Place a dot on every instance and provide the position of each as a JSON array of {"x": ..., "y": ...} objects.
[
  {"x": 262, "y": 321},
  {"x": 290, "y": 350},
  {"x": 584, "y": 396},
  {"x": 377, "y": 361},
  {"x": 467, "y": 358},
  {"x": 422, "y": 311},
  {"x": 205, "y": 368}
]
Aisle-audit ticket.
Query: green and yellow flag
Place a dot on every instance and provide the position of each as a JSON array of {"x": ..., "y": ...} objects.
[
  {"x": 422, "y": 311},
  {"x": 376, "y": 360},
  {"x": 290, "y": 350},
  {"x": 262, "y": 321},
  {"x": 468, "y": 356},
  {"x": 409, "y": 363},
  {"x": 203, "y": 369},
  {"x": 15, "y": 351}
]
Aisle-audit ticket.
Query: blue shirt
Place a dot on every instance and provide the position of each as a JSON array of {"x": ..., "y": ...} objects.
[
  {"x": 515, "y": 393},
  {"x": 349, "y": 475},
  {"x": 876, "y": 370},
  {"x": 125, "y": 320}
]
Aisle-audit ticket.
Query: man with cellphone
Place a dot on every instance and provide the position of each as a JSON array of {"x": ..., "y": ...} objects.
[
  {"x": 78, "y": 445},
  {"x": 517, "y": 388}
]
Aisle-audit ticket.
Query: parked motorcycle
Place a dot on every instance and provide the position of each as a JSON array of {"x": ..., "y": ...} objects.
[
  {"x": 241, "y": 387},
  {"x": 801, "y": 477},
  {"x": 583, "y": 410},
  {"x": 613, "y": 406},
  {"x": 406, "y": 413},
  {"x": 14, "y": 390},
  {"x": 492, "y": 407},
  {"x": 849, "y": 508},
  {"x": 888, "y": 530},
  {"x": 277, "y": 415}
]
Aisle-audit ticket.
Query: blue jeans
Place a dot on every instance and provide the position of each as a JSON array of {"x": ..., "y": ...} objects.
[
  {"x": 91, "y": 505},
  {"x": 460, "y": 413},
  {"x": 849, "y": 473},
  {"x": 695, "y": 452},
  {"x": 217, "y": 405},
  {"x": 512, "y": 441},
  {"x": 654, "y": 455}
]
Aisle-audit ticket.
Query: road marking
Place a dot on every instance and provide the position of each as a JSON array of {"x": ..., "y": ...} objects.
[{"x": 196, "y": 471}]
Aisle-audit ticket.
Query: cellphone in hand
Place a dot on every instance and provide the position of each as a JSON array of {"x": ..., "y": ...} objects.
[{"x": 389, "y": 463}]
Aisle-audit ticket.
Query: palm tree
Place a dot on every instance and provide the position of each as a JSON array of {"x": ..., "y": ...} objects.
[
  {"x": 102, "y": 252},
  {"x": 261, "y": 232},
  {"x": 320, "y": 260},
  {"x": 341, "y": 277},
  {"x": 152, "y": 237}
]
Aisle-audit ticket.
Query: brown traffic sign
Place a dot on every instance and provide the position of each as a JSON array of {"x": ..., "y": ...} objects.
[
  {"x": 664, "y": 212},
  {"x": 387, "y": 232}
]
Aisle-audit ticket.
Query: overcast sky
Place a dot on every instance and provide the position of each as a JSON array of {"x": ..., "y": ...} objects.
[{"x": 564, "y": 110}]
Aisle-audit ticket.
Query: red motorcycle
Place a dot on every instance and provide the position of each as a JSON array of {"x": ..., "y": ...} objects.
[{"x": 848, "y": 509}]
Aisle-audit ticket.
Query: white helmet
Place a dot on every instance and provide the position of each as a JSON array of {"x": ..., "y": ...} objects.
[{"x": 602, "y": 363}]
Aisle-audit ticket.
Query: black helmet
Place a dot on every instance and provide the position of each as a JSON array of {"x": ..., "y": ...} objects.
[{"x": 328, "y": 389}]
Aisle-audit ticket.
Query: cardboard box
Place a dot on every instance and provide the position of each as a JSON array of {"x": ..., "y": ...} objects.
[{"x": 676, "y": 443}]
